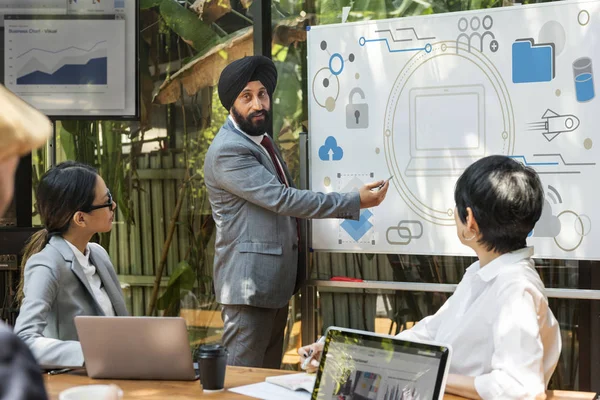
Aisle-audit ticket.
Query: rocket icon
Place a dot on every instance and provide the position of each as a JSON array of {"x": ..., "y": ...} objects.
[{"x": 554, "y": 124}]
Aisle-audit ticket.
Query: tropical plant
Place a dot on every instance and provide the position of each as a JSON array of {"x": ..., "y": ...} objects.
[{"x": 99, "y": 143}]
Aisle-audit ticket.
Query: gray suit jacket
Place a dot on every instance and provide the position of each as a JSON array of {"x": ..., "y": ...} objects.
[
  {"x": 256, "y": 248},
  {"x": 56, "y": 291}
]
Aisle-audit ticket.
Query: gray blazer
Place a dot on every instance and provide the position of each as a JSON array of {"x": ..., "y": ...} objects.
[
  {"x": 256, "y": 248},
  {"x": 56, "y": 291}
]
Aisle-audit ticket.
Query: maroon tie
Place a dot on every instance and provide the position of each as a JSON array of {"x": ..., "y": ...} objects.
[{"x": 268, "y": 145}]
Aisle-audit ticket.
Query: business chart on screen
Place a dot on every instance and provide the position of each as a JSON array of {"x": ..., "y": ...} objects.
[
  {"x": 422, "y": 98},
  {"x": 78, "y": 60}
]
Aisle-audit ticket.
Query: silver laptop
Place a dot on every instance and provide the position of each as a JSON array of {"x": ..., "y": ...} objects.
[
  {"x": 135, "y": 348},
  {"x": 361, "y": 365}
]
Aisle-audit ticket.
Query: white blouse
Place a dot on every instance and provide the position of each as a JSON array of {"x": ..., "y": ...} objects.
[
  {"x": 93, "y": 279},
  {"x": 500, "y": 328}
]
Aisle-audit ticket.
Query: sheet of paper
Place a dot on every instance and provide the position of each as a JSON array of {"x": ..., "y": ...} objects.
[
  {"x": 294, "y": 381},
  {"x": 268, "y": 391}
]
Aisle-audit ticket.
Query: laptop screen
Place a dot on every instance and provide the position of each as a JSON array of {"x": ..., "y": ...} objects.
[{"x": 360, "y": 365}]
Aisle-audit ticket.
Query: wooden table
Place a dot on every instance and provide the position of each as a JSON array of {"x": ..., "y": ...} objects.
[
  {"x": 235, "y": 376},
  {"x": 163, "y": 390}
]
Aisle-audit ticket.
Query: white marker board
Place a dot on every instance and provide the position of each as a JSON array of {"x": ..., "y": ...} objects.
[{"x": 421, "y": 98}]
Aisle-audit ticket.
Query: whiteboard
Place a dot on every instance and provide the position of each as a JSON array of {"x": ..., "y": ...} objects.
[{"x": 422, "y": 98}]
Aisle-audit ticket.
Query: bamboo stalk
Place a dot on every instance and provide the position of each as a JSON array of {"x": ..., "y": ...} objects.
[
  {"x": 169, "y": 193},
  {"x": 174, "y": 217},
  {"x": 167, "y": 244}
]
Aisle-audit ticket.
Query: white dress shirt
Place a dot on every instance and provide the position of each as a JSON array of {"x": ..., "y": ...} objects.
[
  {"x": 93, "y": 279},
  {"x": 500, "y": 328},
  {"x": 258, "y": 140}
]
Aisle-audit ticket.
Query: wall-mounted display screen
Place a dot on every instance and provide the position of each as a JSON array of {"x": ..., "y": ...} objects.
[{"x": 75, "y": 61}]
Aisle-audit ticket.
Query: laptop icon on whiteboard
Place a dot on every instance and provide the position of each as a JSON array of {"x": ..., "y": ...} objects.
[{"x": 447, "y": 129}]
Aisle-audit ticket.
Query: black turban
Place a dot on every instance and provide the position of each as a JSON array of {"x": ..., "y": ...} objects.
[{"x": 236, "y": 76}]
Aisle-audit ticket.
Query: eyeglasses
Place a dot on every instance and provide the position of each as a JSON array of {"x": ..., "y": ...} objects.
[{"x": 109, "y": 203}]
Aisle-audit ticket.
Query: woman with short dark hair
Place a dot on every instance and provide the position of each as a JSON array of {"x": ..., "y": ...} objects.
[
  {"x": 505, "y": 339},
  {"x": 64, "y": 275}
]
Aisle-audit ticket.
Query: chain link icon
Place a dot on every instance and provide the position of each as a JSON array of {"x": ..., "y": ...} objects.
[{"x": 404, "y": 232}]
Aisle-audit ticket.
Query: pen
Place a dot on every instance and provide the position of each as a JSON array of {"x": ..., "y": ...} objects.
[
  {"x": 312, "y": 353},
  {"x": 389, "y": 179},
  {"x": 59, "y": 371}
]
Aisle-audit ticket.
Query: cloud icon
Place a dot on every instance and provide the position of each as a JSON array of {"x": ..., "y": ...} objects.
[
  {"x": 548, "y": 225},
  {"x": 330, "y": 151}
]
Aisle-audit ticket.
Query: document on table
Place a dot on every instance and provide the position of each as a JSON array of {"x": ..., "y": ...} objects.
[{"x": 269, "y": 391}]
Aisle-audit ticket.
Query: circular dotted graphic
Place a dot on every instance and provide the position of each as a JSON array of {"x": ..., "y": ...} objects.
[
  {"x": 325, "y": 83},
  {"x": 325, "y": 89}
]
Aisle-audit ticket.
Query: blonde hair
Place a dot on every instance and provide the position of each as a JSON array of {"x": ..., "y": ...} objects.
[{"x": 22, "y": 127}]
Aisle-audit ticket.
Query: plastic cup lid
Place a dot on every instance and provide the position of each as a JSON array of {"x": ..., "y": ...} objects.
[{"x": 212, "y": 350}]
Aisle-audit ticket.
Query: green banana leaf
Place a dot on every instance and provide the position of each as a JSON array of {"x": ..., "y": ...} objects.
[
  {"x": 182, "y": 278},
  {"x": 187, "y": 25}
]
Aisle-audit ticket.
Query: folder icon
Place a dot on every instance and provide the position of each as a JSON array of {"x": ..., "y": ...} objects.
[{"x": 532, "y": 62}]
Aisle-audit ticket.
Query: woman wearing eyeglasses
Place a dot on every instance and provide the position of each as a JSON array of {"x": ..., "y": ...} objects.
[{"x": 64, "y": 275}]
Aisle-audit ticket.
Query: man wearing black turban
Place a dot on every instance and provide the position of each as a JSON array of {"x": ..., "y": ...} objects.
[
  {"x": 255, "y": 206},
  {"x": 236, "y": 76}
]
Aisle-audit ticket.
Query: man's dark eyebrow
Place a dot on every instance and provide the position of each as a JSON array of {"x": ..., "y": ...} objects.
[{"x": 250, "y": 90}]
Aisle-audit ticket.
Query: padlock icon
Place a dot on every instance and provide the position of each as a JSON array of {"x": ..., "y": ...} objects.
[{"x": 357, "y": 114}]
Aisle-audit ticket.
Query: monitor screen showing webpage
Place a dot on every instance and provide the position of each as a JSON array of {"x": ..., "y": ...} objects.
[
  {"x": 72, "y": 58},
  {"x": 364, "y": 366}
]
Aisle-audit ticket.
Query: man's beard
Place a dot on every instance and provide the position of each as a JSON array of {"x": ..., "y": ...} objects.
[{"x": 250, "y": 127}]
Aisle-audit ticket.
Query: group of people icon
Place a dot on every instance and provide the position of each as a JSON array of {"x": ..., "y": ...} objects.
[{"x": 475, "y": 24}]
